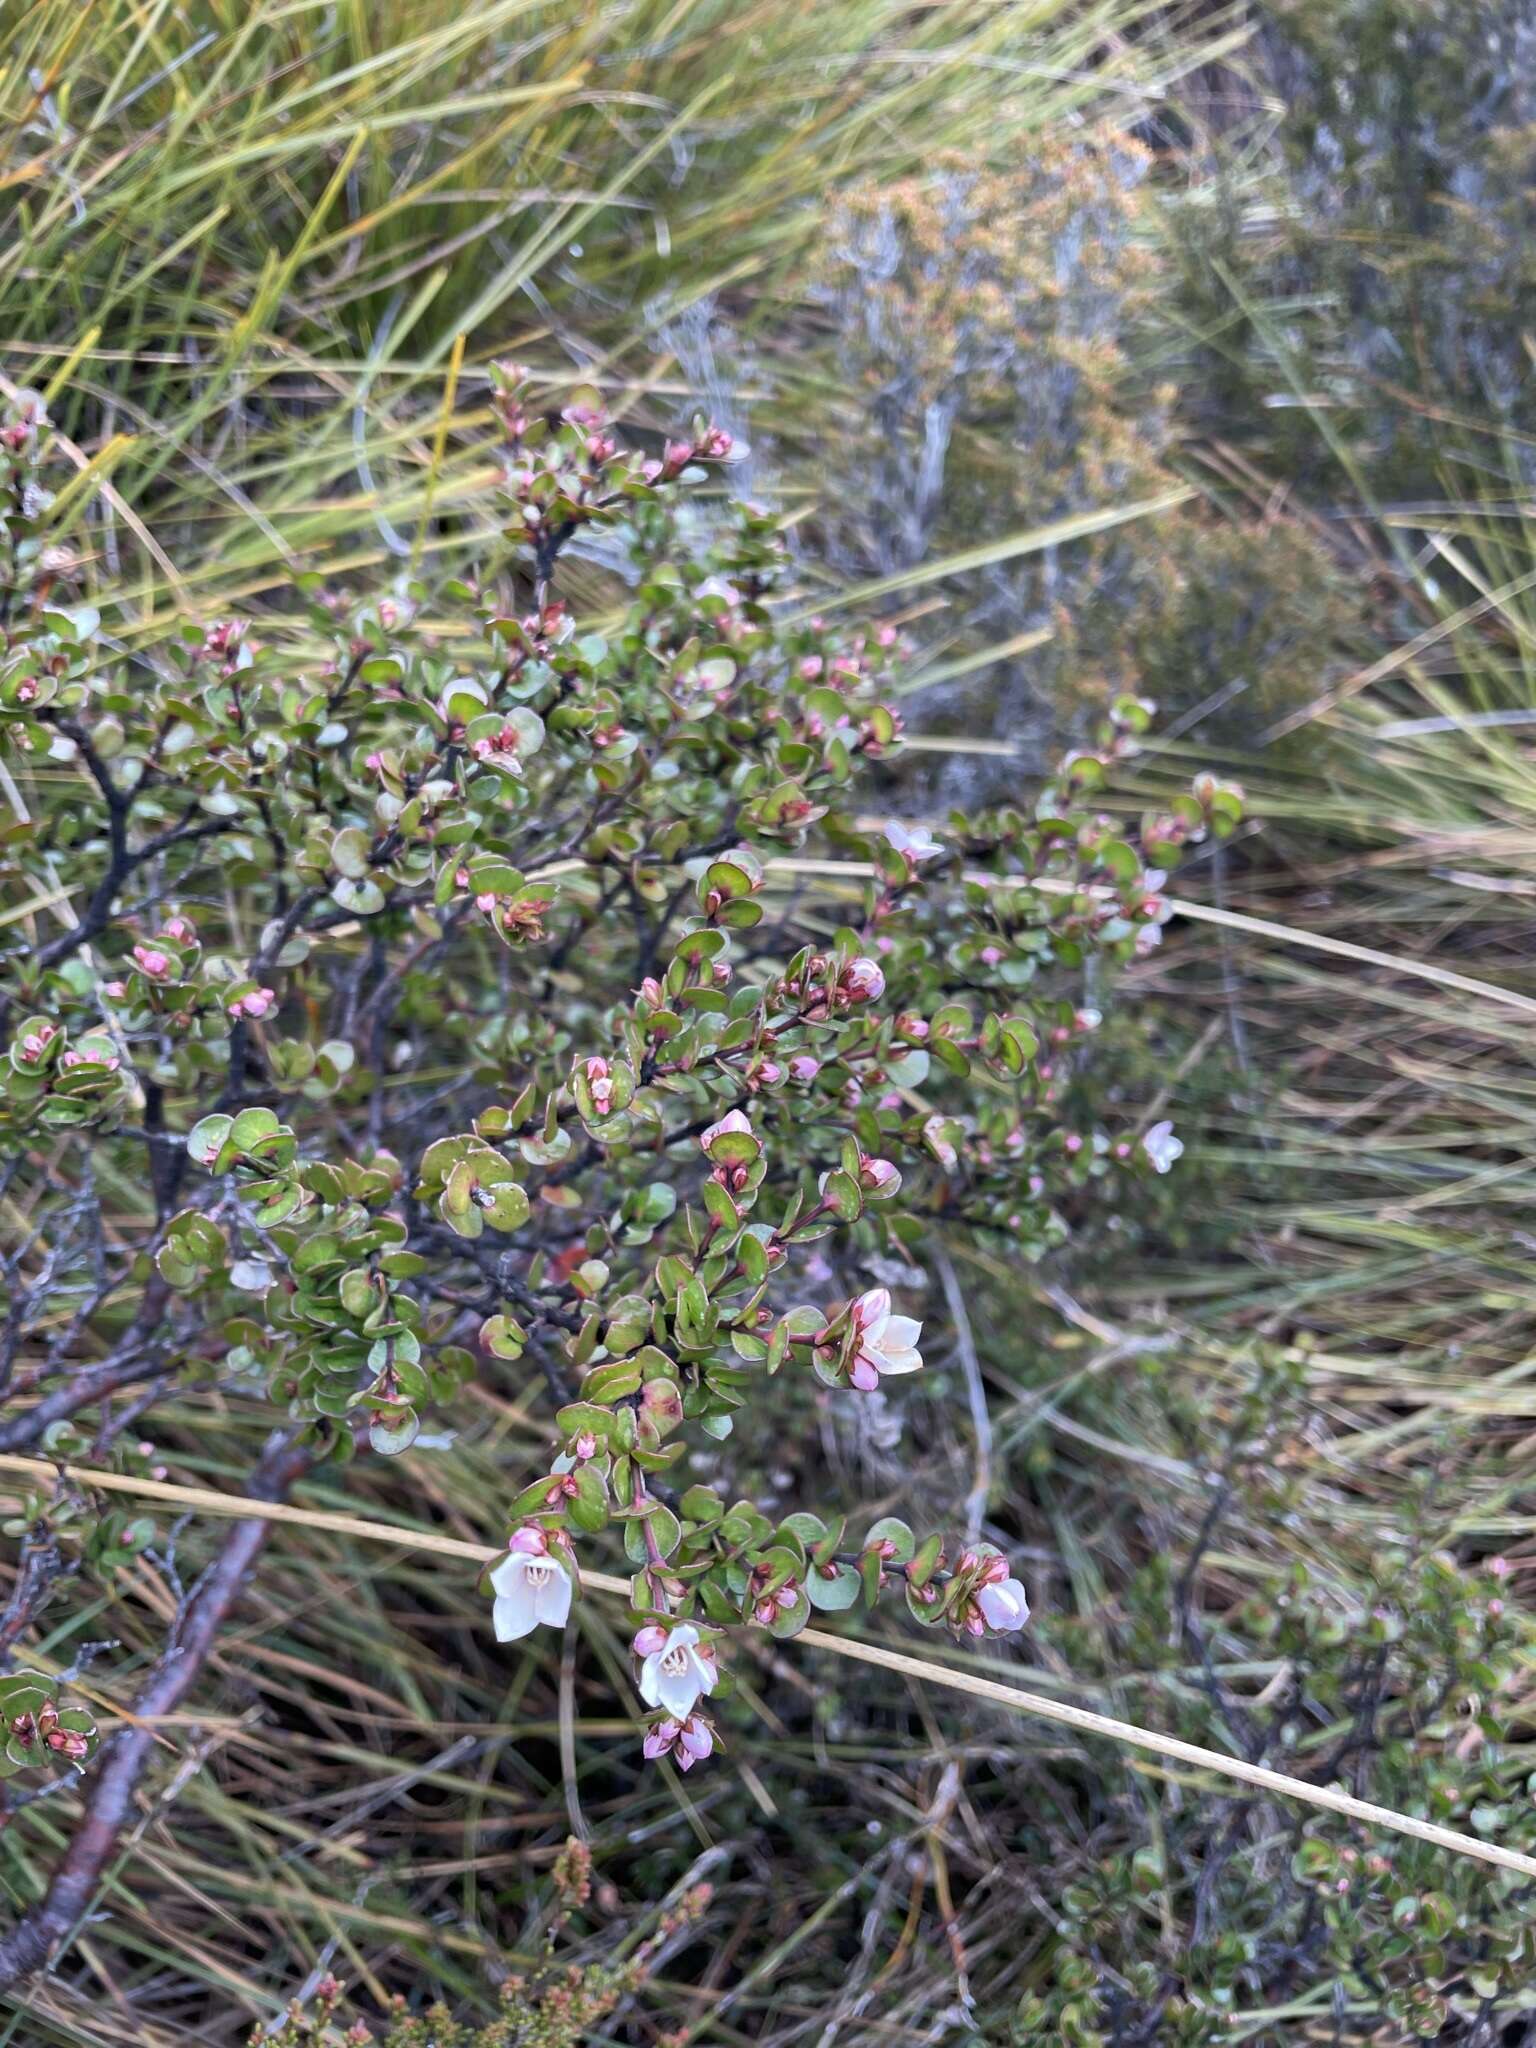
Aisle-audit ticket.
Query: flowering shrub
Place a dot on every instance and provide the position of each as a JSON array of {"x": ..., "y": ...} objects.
[
  {"x": 1387, "y": 1664},
  {"x": 485, "y": 994}
]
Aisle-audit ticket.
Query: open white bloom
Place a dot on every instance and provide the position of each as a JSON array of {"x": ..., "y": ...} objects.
[
  {"x": 1162, "y": 1147},
  {"x": 679, "y": 1672},
  {"x": 1004, "y": 1605},
  {"x": 886, "y": 1343},
  {"x": 915, "y": 841},
  {"x": 530, "y": 1587}
]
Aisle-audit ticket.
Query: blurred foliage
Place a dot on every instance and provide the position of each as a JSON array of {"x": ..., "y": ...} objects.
[
  {"x": 993, "y": 335},
  {"x": 1357, "y": 235}
]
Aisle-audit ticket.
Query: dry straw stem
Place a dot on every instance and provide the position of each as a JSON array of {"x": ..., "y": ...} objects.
[{"x": 197, "y": 1499}]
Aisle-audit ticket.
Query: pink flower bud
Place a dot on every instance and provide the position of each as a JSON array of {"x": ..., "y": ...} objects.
[
  {"x": 152, "y": 961},
  {"x": 803, "y": 1068},
  {"x": 649, "y": 1640},
  {"x": 220, "y": 641},
  {"x": 687, "y": 1742},
  {"x": 36, "y": 1043},
  {"x": 733, "y": 1120},
  {"x": 861, "y": 981}
]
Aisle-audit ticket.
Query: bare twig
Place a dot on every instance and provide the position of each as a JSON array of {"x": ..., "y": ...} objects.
[
  {"x": 41, "y": 1930},
  {"x": 976, "y": 1393}
]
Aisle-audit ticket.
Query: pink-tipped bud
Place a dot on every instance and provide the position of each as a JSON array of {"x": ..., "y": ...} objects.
[
  {"x": 733, "y": 1121},
  {"x": 861, "y": 981}
]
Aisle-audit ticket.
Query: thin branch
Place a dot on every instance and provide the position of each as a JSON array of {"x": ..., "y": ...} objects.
[
  {"x": 976, "y": 1394},
  {"x": 41, "y": 1930}
]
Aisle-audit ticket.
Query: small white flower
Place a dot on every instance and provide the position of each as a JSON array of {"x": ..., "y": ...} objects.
[
  {"x": 530, "y": 1588},
  {"x": 915, "y": 841},
  {"x": 676, "y": 1675},
  {"x": 1004, "y": 1606},
  {"x": 1162, "y": 1147},
  {"x": 886, "y": 1343}
]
